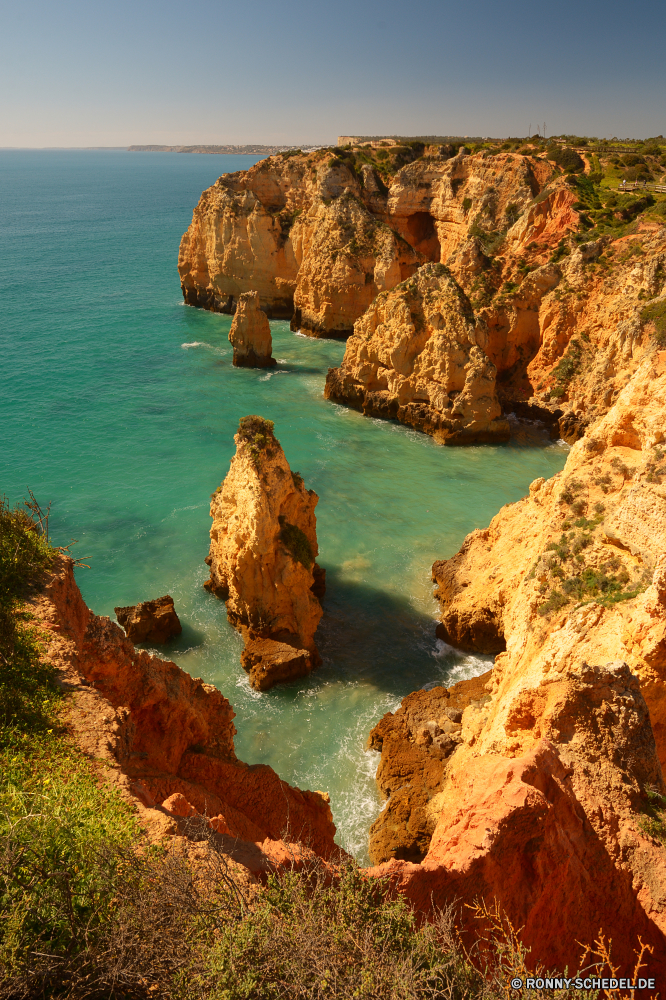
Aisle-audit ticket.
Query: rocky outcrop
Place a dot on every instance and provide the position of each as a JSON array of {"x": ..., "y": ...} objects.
[
  {"x": 414, "y": 357},
  {"x": 300, "y": 231},
  {"x": 415, "y": 743},
  {"x": 165, "y": 739},
  {"x": 550, "y": 798},
  {"x": 150, "y": 621},
  {"x": 553, "y": 835},
  {"x": 250, "y": 334},
  {"x": 320, "y": 236},
  {"x": 537, "y": 798},
  {"x": 583, "y": 546},
  {"x": 262, "y": 558}
]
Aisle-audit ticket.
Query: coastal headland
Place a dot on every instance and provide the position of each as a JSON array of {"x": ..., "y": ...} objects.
[{"x": 478, "y": 288}]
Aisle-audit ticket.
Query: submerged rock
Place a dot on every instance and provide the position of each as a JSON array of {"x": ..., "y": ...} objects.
[
  {"x": 262, "y": 557},
  {"x": 250, "y": 334},
  {"x": 150, "y": 621}
]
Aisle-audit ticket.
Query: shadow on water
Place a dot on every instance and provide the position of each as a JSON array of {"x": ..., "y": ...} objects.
[
  {"x": 190, "y": 638},
  {"x": 375, "y": 638}
]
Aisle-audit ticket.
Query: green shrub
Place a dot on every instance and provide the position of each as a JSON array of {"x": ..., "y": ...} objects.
[
  {"x": 555, "y": 602},
  {"x": 307, "y": 938},
  {"x": 26, "y": 683},
  {"x": 562, "y": 250},
  {"x": 656, "y": 314},
  {"x": 566, "y": 158},
  {"x": 653, "y": 822},
  {"x": 258, "y": 434},
  {"x": 296, "y": 542}
]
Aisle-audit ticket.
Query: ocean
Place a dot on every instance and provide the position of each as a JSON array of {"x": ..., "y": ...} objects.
[{"x": 119, "y": 405}]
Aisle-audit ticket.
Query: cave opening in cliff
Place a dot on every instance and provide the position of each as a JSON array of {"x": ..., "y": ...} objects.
[{"x": 423, "y": 235}]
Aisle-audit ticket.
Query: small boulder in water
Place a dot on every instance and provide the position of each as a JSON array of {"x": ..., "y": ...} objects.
[
  {"x": 150, "y": 621},
  {"x": 250, "y": 334}
]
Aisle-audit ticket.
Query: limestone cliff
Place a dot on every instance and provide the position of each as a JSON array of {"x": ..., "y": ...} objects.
[
  {"x": 320, "y": 237},
  {"x": 300, "y": 231},
  {"x": 563, "y": 319},
  {"x": 549, "y": 796},
  {"x": 250, "y": 334},
  {"x": 572, "y": 571},
  {"x": 262, "y": 557},
  {"x": 164, "y": 738},
  {"x": 414, "y": 356}
]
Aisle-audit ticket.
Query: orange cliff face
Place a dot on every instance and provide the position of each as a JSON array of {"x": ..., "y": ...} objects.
[
  {"x": 323, "y": 237},
  {"x": 543, "y": 789},
  {"x": 319, "y": 237},
  {"x": 414, "y": 356},
  {"x": 301, "y": 232},
  {"x": 167, "y": 739},
  {"x": 262, "y": 558}
]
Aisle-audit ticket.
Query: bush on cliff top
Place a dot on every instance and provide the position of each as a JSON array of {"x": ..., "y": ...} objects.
[
  {"x": 566, "y": 158},
  {"x": 258, "y": 434},
  {"x": 656, "y": 314},
  {"x": 255, "y": 430},
  {"x": 53, "y": 815}
]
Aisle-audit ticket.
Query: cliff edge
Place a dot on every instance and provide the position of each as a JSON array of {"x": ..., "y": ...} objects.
[{"x": 166, "y": 740}]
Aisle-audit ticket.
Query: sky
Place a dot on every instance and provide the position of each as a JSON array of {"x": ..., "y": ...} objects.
[{"x": 76, "y": 73}]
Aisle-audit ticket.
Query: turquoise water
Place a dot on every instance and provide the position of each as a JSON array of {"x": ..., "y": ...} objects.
[{"x": 119, "y": 405}]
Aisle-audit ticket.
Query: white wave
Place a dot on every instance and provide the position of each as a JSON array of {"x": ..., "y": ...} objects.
[
  {"x": 454, "y": 665},
  {"x": 244, "y": 684},
  {"x": 265, "y": 378},
  {"x": 196, "y": 343}
]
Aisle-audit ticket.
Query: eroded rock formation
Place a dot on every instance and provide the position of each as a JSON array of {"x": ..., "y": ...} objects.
[
  {"x": 414, "y": 357},
  {"x": 262, "y": 557},
  {"x": 415, "y": 742},
  {"x": 549, "y": 797},
  {"x": 150, "y": 621},
  {"x": 302, "y": 231},
  {"x": 563, "y": 321},
  {"x": 166, "y": 739},
  {"x": 250, "y": 334},
  {"x": 589, "y": 539}
]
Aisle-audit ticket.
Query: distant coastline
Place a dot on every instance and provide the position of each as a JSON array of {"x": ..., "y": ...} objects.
[{"x": 246, "y": 150}]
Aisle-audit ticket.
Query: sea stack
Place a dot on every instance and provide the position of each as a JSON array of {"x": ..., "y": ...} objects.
[
  {"x": 150, "y": 621},
  {"x": 250, "y": 334},
  {"x": 263, "y": 546}
]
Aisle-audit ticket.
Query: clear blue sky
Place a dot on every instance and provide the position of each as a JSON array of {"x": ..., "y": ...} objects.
[{"x": 76, "y": 73}]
